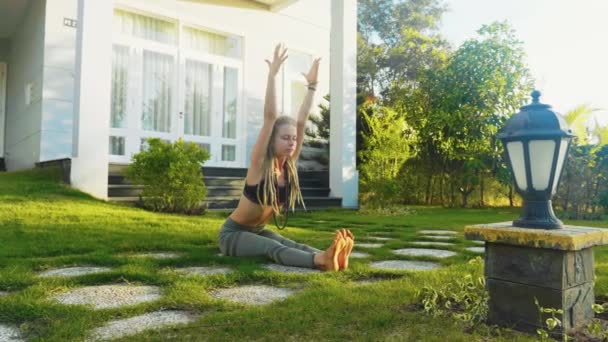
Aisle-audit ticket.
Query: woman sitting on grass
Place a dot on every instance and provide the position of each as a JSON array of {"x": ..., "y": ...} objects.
[{"x": 272, "y": 183}]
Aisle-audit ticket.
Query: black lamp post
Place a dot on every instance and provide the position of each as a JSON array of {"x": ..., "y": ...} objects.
[{"x": 536, "y": 142}]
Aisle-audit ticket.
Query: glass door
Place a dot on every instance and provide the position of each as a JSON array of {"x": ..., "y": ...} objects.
[{"x": 211, "y": 87}]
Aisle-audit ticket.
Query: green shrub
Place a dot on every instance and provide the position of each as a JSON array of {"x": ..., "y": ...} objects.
[{"x": 171, "y": 175}]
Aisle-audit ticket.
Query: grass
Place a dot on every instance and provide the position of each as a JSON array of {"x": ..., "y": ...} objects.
[{"x": 45, "y": 225}]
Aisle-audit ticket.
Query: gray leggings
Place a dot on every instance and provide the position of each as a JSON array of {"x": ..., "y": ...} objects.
[{"x": 239, "y": 240}]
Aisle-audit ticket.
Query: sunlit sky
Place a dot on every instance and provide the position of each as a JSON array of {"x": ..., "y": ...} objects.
[{"x": 566, "y": 42}]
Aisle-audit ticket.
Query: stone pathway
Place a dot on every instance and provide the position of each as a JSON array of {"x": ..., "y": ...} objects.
[
  {"x": 476, "y": 249},
  {"x": 156, "y": 255},
  {"x": 73, "y": 271},
  {"x": 10, "y": 333},
  {"x": 110, "y": 296},
  {"x": 431, "y": 243},
  {"x": 437, "y": 237},
  {"x": 290, "y": 269},
  {"x": 437, "y": 232},
  {"x": 134, "y": 325},
  {"x": 358, "y": 255},
  {"x": 204, "y": 271},
  {"x": 436, "y": 253},
  {"x": 379, "y": 238},
  {"x": 482, "y": 243},
  {"x": 3, "y": 293},
  {"x": 405, "y": 265},
  {"x": 368, "y": 245},
  {"x": 253, "y": 294}
]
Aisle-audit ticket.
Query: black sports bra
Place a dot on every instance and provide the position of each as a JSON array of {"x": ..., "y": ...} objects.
[{"x": 253, "y": 191}]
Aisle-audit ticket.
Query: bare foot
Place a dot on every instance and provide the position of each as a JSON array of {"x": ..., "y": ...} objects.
[
  {"x": 348, "y": 248},
  {"x": 329, "y": 258}
]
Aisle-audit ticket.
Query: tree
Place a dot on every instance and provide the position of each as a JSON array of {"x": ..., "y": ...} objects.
[
  {"x": 459, "y": 108},
  {"x": 385, "y": 150}
]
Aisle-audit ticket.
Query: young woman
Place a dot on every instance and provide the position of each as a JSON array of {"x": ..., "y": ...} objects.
[{"x": 272, "y": 183}]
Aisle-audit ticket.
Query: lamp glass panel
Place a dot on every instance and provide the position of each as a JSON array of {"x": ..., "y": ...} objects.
[
  {"x": 563, "y": 147},
  {"x": 541, "y": 160},
  {"x": 516, "y": 156}
]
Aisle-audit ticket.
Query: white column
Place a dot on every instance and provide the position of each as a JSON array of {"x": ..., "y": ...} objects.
[
  {"x": 90, "y": 158},
  {"x": 343, "y": 174}
]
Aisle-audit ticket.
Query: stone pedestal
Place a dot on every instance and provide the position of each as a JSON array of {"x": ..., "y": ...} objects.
[{"x": 553, "y": 266}]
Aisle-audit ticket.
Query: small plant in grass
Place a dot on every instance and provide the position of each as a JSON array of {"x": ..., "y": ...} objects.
[
  {"x": 596, "y": 328},
  {"x": 465, "y": 299},
  {"x": 551, "y": 323},
  {"x": 171, "y": 175}
]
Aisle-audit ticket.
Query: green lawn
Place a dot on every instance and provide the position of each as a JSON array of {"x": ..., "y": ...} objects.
[{"x": 45, "y": 225}]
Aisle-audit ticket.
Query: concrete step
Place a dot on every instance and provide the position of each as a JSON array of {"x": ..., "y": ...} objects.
[{"x": 128, "y": 190}]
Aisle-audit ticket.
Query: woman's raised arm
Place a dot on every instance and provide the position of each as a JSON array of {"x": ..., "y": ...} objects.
[
  {"x": 312, "y": 80},
  {"x": 270, "y": 106}
]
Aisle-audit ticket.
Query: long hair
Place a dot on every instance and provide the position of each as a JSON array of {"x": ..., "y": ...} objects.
[{"x": 269, "y": 193}]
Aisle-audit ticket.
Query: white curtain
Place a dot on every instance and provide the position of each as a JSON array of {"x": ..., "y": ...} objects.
[
  {"x": 231, "y": 89},
  {"x": 144, "y": 27},
  {"x": 120, "y": 81},
  {"x": 213, "y": 43},
  {"x": 157, "y": 91},
  {"x": 197, "y": 98}
]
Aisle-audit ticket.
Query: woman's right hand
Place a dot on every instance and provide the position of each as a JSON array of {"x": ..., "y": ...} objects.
[{"x": 280, "y": 55}]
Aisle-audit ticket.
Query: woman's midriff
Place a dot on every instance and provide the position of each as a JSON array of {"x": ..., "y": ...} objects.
[{"x": 250, "y": 214}]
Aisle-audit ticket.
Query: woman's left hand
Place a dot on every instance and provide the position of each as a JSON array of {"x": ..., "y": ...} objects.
[{"x": 313, "y": 73}]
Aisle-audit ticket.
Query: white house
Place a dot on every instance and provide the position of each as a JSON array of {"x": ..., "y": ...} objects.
[{"x": 89, "y": 80}]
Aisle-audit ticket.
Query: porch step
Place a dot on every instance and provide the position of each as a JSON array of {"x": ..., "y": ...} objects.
[
  {"x": 225, "y": 185},
  {"x": 128, "y": 190},
  {"x": 230, "y": 203}
]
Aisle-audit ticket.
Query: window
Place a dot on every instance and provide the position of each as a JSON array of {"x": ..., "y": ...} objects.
[
  {"x": 120, "y": 80},
  {"x": 197, "y": 99},
  {"x": 170, "y": 81},
  {"x": 157, "y": 87},
  {"x": 144, "y": 27},
  {"x": 294, "y": 84},
  {"x": 117, "y": 146},
  {"x": 212, "y": 43}
]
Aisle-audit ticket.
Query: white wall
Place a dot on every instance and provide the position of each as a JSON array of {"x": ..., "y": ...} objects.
[
  {"x": 25, "y": 66},
  {"x": 5, "y": 46},
  {"x": 303, "y": 26},
  {"x": 58, "y": 89}
]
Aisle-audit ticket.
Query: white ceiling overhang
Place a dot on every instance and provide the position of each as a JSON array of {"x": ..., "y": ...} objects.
[{"x": 276, "y": 5}]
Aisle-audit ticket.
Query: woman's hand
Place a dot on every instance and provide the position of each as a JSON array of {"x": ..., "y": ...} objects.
[
  {"x": 313, "y": 73},
  {"x": 280, "y": 55}
]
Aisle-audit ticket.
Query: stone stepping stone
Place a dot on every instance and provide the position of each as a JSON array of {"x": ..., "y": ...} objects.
[
  {"x": 379, "y": 238},
  {"x": 73, "y": 271},
  {"x": 405, "y": 265},
  {"x": 437, "y": 232},
  {"x": 134, "y": 325},
  {"x": 110, "y": 296},
  {"x": 476, "y": 249},
  {"x": 10, "y": 333},
  {"x": 253, "y": 294},
  {"x": 368, "y": 245},
  {"x": 437, "y": 237},
  {"x": 366, "y": 282},
  {"x": 436, "y": 253},
  {"x": 481, "y": 243},
  {"x": 204, "y": 271},
  {"x": 289, "y": 269},
  {"x": 3, "y": 293},
  {"x": 431, "y": 243},
  {"x": 158, "y": 255},
  {"x": 358, "y": 255}
]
